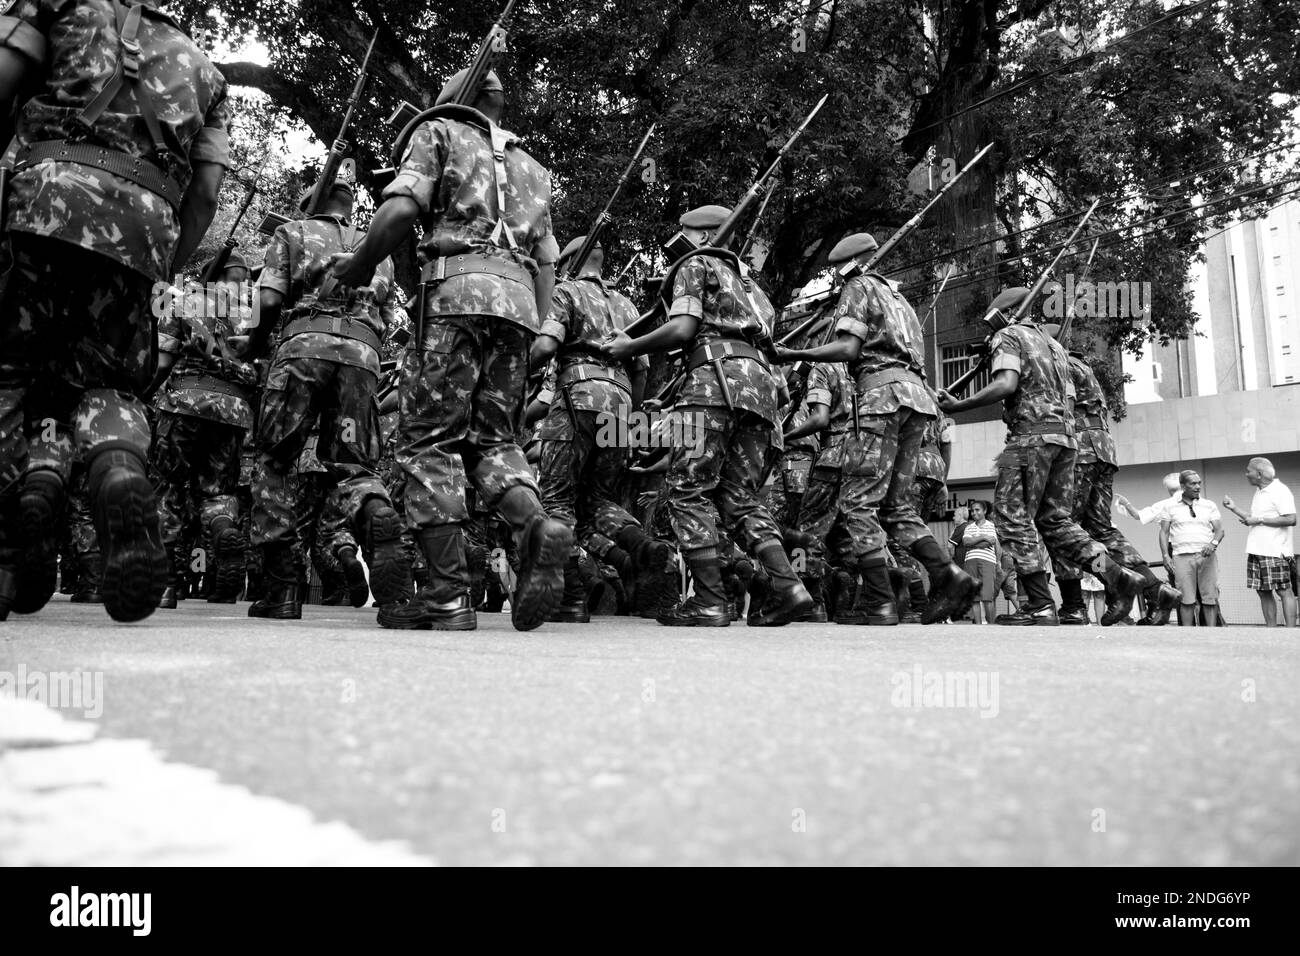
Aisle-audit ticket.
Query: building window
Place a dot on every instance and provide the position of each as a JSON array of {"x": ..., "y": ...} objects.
[{"x": 955, "y": 362}]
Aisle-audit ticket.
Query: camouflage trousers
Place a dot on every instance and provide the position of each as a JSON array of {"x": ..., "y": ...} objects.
[
  {"x": 879, "y": 470},
  {"x": 300, "y": 391},
  {"x": 580, "y": 481},
  {"x": 1094, "y": 496},
  {"x": 462, "y": 400},
  {"x": 931, "y": 496},
  {"x": 822, "y": 520},
  {"x": 723, "y": 469},
  {"x": 194, "y": 465},
  {"x": 77, "y": 348},
  {"x": 784, "y": 496},
  {"x": 1032, "y": 503}
]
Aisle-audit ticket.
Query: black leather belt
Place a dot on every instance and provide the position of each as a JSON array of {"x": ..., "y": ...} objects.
[{"x": 343, "y": 325}]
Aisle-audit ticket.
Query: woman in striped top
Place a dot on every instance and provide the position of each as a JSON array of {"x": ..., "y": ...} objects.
[{"x": 980, "y": 540}]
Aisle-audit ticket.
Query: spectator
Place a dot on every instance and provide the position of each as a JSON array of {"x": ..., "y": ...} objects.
[
  {"x": 1190, "y": 531},
  {"x": 959, "y": 516},
  {"x": 1270, "y": 541},
  {"x": 1156, "y": 511},
  {"x": 1095, "y": 597},
  {"x": 980, "y": 539}
]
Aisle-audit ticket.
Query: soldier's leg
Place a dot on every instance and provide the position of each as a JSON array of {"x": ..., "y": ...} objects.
[
  {"x": 216, "y": 483},
  {"x": 689, "y": 484},
  {"x": 868, "y": 455},
  {"x": 290, "y": 407},
  {"x": 1063, "y": 536},
  {"x": 567, "y": 453},
  {"x": 1097, "y": 502},
  {"x": 350, "y": 435},
  {"x": 1015, "y": 502},
  {"x": 169, "y": 471},
  {"x": 753, "y": 526}
]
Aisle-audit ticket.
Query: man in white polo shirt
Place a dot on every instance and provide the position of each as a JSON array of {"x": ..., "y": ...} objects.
[
  {"x": 1190, "y": 531},
  {"x": 1269, "y": 543}
]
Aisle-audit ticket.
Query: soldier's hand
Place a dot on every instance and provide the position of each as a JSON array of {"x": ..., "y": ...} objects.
[
  {"x": 341, "y": 266},
  {"x": 946, "y": 402},
  {"x": 784, "y": 356},
  {"x": 618, "y": 346}
]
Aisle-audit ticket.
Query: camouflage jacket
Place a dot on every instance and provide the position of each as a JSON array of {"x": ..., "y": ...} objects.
[
  {"x": 709, "y": 291},
  {"x": 929, "y": 463},
  {"x": 829, "y": 384},
  {"x": 1090, "y": 424},
  {"x": 295, "y": 267},
  {"x": 871, "y": 310},
  {"x": 585, "y": 312},
  {"x": 75, "y": 46},
  {"x": 449, "y": 171},
  {"x": 1041, "y": 410},
  {"x": 198, "y": 335},
  {"x": 805, "y": 447}
]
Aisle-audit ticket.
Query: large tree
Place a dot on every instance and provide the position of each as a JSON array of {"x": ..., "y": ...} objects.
[{"x": 1074, "y": 112}]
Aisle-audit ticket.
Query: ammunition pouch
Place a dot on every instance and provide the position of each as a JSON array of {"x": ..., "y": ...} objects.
[
  {"x": 341, "y": 325},
  {"x": 1089, "y": 421}
]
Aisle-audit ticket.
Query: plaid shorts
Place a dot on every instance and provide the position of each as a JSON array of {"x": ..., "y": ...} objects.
[{"x": 1267, "y": 574}]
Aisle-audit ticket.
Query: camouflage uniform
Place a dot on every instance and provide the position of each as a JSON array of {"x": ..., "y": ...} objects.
[
  {"x": 893, "y": 409},
  {"x": 1094, "y": 472},
  {"x": 737, "y": 424},
  {"x": 463, "y": 380},
  {"x": 204, "y": 412},
  {"x": 830, "y": 385},
  {"x": 89, "y": 241},
  {"x": 580, "y": 473},
  {"x": 1035, "y": 484},
  {"x": 783, "y": 497},
  {"x": 930, "y": 491},
  {"x": 325, "y": 371}
]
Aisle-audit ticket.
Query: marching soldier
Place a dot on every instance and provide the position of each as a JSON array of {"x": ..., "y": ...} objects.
[
  {"x": 580, "y": 473},
  {"x": 325, "y": 368},
  {"x": 204, "y": 411},
  {"x": 1035, "y": 484},
  {"x": 731, "y": 392},
  {"x": 1094, "y": 492},
  {"x": 488, "y": 257},
  {"x": 116, "y": 163},
  {"x": 878, "y": 335}
]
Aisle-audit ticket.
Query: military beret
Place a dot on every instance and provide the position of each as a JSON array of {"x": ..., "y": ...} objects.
[
  {"x": 490, "y": 83},
  {"x": 573, "y": 246},
  {"x": 705, "y": 217},
  {"x": 1008, "y": 300},
  {"x": 850, "y": 247},
  {"x": 1053, "y": 329},
  {"x": 236, "y": 261}
]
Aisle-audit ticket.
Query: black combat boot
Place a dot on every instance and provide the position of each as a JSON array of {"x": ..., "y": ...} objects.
[
  {"x": 281, "y": 602},
  {"x": 788, "y": 599},
  {"x": 572, "y": 608},
  {"x": 40, "y": 505},
  {"x": 1038, "y": 609},
  {"x": 354, "y": 575},
  {"x": 228, "y": 546},
  {"x": 817, "y": 613},
  {"x": 877, "y": 603},
  {"x": 1073, "y": 610},
  {"x": 90, "y": 577},
  {"x": 843, "y": 598},
  {"x": 390, "y": 562},
  {"x": 127, "y": 524},
  {"x": 444, "y": 603},
  {"x": 952, "y": 591},
  {"x": 544, "y": 546},
  {"x": 707, "y": 607},
  {"x": 1122, "y": 586},
  {"x": 1161, "y": 600}
]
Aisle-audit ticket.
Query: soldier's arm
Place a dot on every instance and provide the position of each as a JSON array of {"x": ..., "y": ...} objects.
[
  {"x": 819, "y": 416},
  {"x": 393, "y": 222},
  {"x": 555, "y": 329},
  {"x": 271, "y": 290},
  {"x": 22, "y": 52},
  {"x": 197, "y": 209}
]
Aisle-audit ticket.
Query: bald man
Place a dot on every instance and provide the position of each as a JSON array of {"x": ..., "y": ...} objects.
[{"x": 1270, "y": 544}]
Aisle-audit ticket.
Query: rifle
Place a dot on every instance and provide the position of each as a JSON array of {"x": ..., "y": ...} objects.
[
  {"x": 407, "y": 116},
  {"x": 959, "y": 386},
  {"x": 758, "y": 217},
  {"x": 1064, "y": 335},
  {"x": 218, "y": 263},
  {"x": 678, "y": 247},
  {"x": 330, "y": 171},
  {"x": 628, "y": 268},
  {"x": 602, "y": 220}
]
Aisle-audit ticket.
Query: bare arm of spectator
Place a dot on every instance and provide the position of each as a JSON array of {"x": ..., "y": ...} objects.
[
  {"x": 1165, "y": 556},
  {"x": 1213, "y": 546},
  {"x": 1231, "y": 506},
  {"x": 1124, "y": 505}
]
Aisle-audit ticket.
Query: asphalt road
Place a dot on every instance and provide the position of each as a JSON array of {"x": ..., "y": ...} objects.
[{"x": 222, "y": 739}]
